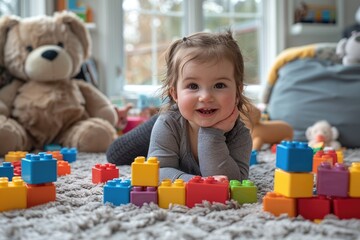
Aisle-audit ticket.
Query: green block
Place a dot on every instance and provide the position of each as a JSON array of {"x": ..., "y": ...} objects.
[{"x": 243, "y": 192}]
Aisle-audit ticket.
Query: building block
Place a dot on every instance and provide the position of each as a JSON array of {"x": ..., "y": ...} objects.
[
  {"x": 243, "y": 192},
  {"x": 104, "y": 172},
  {"x": 346, "y": 208},
  {"x": 40, "y": 194},
  {"x": 354, "y": 185},
  {"x": 278, "y": 204},
  {"x": 69, "y": 154},
  {"x": 12, "y": 194},
  {"x": 141, "y": 195},
  {"x": 14, "y": 156},
  {"x": 294, "y": 156},
  {"x": 56, "y": 154},
  {"x": 209, "y": 189},
  {"x": 63, "y": 168},
  {"x": 133, "y": 122},
  {"x": 313, "y": 208},
  {"x": 340, "y": 156},
  {"x": 7, "y": 170},
  {"x": 295, "y": 185},
  {"x": 37, "y": 169},
  {"x": 320, "y": 157},
  {"x": 52, "y": 147},
  {"x": 332, "y": 181},
  {"x": 17, "y": 168},
  {"x": 145, "y": 173},
  {"x": 253, "y": 158},
  {"x": 171, "y": 193},
  {"x": 117, "y": 192}
]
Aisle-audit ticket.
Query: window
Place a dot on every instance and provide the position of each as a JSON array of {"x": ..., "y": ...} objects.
[
  {"x": 9, "y": 7},
  {"x": 151, "y": 25}
]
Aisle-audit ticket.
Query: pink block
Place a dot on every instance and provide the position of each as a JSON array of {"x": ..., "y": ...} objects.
[
  {"x": 332, "y": 181},
  {"x": 141, "y": 195}
]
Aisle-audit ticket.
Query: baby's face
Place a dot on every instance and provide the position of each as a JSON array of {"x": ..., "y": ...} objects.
[{"x": 206, "y": 92}]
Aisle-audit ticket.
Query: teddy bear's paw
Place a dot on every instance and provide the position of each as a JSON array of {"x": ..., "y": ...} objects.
[
  {"x": 12, "y": 136},
  {"x": 92, "y": 135}
]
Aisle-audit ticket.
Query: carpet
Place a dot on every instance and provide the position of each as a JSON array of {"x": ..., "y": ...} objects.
[{"x": 78, "y": 213}]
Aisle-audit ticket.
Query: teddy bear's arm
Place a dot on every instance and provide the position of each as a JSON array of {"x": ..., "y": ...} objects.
[
  {"x": 97, "y": 104},
  {"x": 7, "y": 97}
]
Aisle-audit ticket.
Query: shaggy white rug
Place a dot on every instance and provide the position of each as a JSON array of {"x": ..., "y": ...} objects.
[{"x": 79, "y": 213}]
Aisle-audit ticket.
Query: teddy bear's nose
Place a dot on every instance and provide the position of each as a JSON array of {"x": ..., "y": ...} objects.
[{"x": 49, "y": 54}]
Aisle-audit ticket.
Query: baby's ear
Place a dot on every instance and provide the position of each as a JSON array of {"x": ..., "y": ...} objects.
[
  {"x": 173, "y": 94},
  {"x": 335, "y": 133}
]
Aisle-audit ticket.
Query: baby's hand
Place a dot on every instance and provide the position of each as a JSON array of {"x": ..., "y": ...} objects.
[{"x": 228, "y": 123}]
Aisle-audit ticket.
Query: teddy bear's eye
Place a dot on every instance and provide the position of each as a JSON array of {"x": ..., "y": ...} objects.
[
  {"x": 29, "y": 48},
  {"x": 60, "y": 44}
]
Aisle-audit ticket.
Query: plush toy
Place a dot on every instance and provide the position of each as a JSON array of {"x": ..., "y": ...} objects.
[
  {"x": 349, "y": 49},
  {"x": 266, "y": 132},
  {"x": 44, "y": 104},
  {"x": 322, "y": 131}
]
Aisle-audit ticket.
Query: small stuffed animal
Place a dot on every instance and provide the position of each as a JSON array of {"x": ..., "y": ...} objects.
[
  {"x": 44, "y": 104},
  {"x": 349, "y": 49},
  {"x": 322, "y": 131},
  {"x": 266, "y": 132}
]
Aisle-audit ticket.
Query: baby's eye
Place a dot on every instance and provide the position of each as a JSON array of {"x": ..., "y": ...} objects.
[
  {"x": 220, "y": 85},
  {"x": 193, "y": 86}
]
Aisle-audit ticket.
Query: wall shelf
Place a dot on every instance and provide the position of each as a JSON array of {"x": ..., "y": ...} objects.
[{"x": 316, "y": 28}]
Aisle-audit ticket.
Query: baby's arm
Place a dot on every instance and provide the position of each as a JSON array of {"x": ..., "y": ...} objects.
[
  {"x": 165, "y": 145},
  {"x": 221, "y": 156}
]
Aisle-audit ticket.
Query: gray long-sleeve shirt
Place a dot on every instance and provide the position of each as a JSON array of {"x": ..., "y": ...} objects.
[{"x": 219, "y": 153}]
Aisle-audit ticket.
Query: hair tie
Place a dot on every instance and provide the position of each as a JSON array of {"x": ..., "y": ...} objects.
[{"x": 184, "y": 39}]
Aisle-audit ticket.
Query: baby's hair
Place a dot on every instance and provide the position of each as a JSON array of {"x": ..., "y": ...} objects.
[{"x": 203, "y": 47}]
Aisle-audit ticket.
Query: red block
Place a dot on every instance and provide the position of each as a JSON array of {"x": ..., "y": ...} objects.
[
  {"x": 101, "y": 173},
  {"x": 346, "y": 208},
  {"x": 209, "y": 189},
  {"x": 314, "y": 208},
  {"x": 40, "y": 194}
]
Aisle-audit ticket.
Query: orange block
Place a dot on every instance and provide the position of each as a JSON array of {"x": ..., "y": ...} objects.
[
  {"x": 63, "y": 168},
  {"x": 320, "y": 157},
  {"x": 56, "y": 154},
  {"x": 40, "y": 194},
  {"x": 278, "y": 204}
]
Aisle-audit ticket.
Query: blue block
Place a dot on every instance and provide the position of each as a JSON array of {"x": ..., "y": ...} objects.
[
  {"x": 294, "y": 156},
  {"x": 7, "y": 170},
  {"x": 52, "y": 147},
  {"x": 69, "y": 154},
  {"x": 253, "y": 157},
  {"x": 38, "y": 169},
  {"x": 117, "y": 192}
]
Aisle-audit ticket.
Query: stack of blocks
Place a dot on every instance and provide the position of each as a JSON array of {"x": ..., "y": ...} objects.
[
  {"x": 27, "y": 180},
  {"x": 144, "y": 188},
  {"x": 294, "y": 184}
]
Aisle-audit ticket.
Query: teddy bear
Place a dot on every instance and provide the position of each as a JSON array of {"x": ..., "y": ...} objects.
[
  {"x": 44, "y": 104},
  {"x": 349, "y": 49},
  {"x": 266, "y": 132},
  {"x": 323, "y": 132}
]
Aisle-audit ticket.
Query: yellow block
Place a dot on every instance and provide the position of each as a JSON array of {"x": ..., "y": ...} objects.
[
  {"x": 14, "y": 156},
  {"x": 293, "y": 185},
  {"x": 171, "y": 193},
  {"x": 145, "y": 173},
  {"x": 12, "y": 194},
  {"x": 354, "y": 186}
]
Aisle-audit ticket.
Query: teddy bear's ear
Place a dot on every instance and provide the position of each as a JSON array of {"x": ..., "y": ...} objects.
[
  {"x": 335, "y": 133},
  {"x": 6, "y": 22},
  {"x": 78, "y": 27},
  {"x": 308, "y": 133}
]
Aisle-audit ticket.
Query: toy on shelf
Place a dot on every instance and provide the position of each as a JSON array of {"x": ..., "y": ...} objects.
[
  {"x": 322, "y": 131},
  {"x": 44, "y": 101}
]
